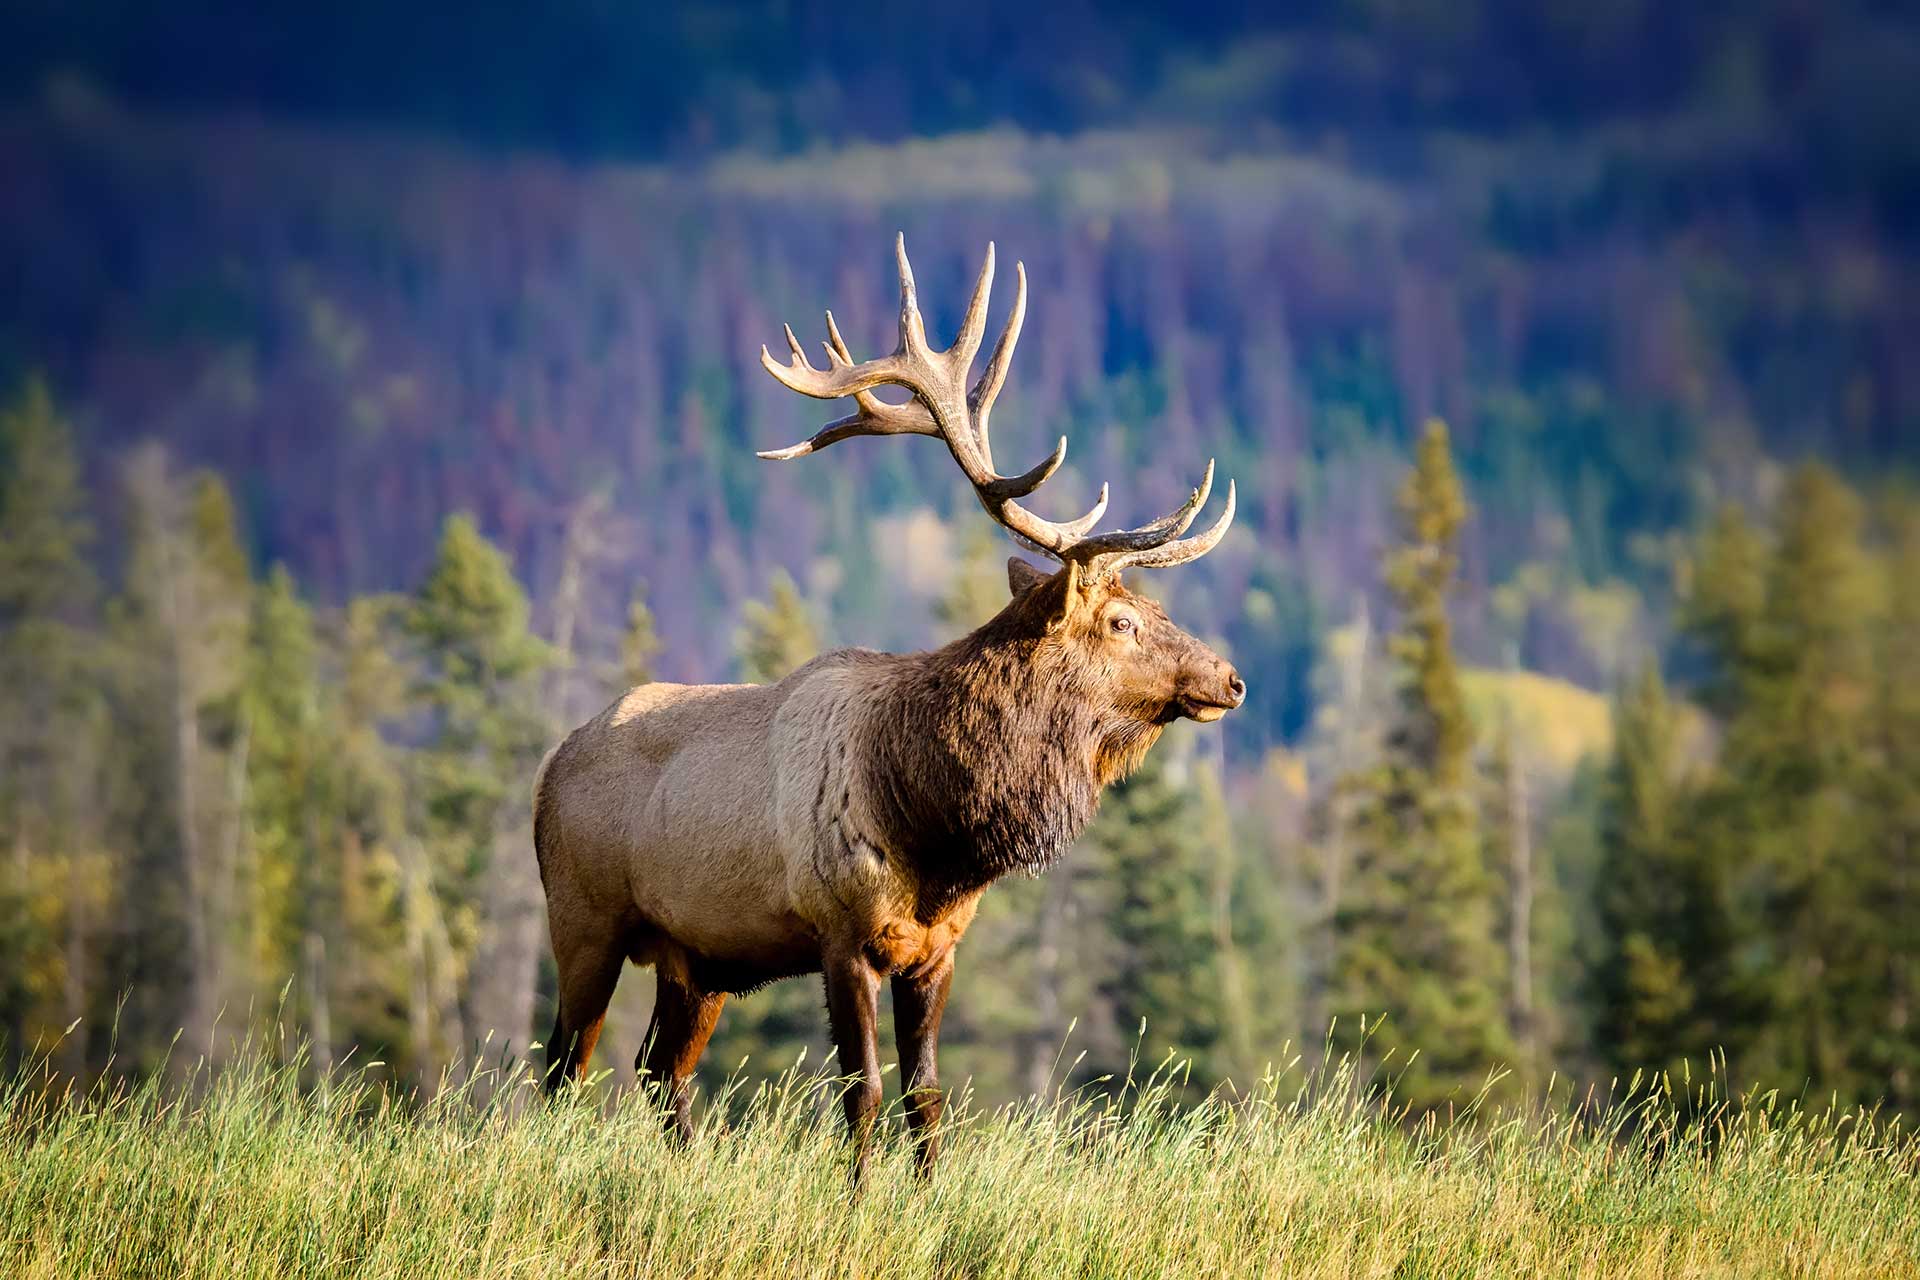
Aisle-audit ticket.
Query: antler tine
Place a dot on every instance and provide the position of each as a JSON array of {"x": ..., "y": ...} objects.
[
  {"x": 1071, "y": 530},
  {"x": 831, "y": 384},
  {"x": 857, "y": 424},
  {"x": 836, "y": 345},
  {"x": 1056, "y": 538},
  {"x": 1001, "y": 488},
  {"x": 995, "y": 374},
  {"x": 1154, "y": 532},
  {"x": 1171, "y": 553},
  {"x": 973, "y": 325},
  {"x": 909, "y": 366},
  {"x": 913, "y": 330},
  {"x": 1078, "y": 528}
]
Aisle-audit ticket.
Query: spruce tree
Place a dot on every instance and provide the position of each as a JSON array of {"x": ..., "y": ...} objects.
[
  {"x": 1654, "y": 981},
  {"x": 51, "y": 727},
  {"x": 639, "y": 642},
  {"x": 1890, "y": 889},
  {"x": 1795, "y": 841},
  {"x": 479, "y": 680},
  {"x": 775, "y": 635},
  {"x": 381, "y": 972},
  {"x": 44, "y": 528},
  {"x": 1155, "y": 894},
  {"x": 1415, "y": 928},
  {"x": 978, "y": 588},
  {"x": 296, "y": 803},
  {"x": 1790, "y": 820},
  {"x": 1723, "y": 591}
]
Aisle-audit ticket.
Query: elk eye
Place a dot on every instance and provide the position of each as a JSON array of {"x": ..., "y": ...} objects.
[{"x": 1122, "y": 624}]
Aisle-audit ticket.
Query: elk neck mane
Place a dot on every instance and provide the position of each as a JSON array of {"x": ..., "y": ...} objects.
[{"x": 992, "y": 755}]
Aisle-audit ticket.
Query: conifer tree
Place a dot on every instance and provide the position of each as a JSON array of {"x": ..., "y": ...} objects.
[
  {"x": 479, "y": 679},
  {"x": 388, "y": 914},
  {"x": 1891, "y": 888},
  {"x": 639, "y": 642},
  {"x": 45, "y": 531},
  {"x": 295, "y": 807},
  {"x": 776, "y": 635},
  {"x": 1653, "y": 981},
  {"x": 50, "y": 726},
  {"x": 1790, "y": 812},
  {"x": 1155, "y": 897},
  {"x": 1416, "y": 926},
  {"x": 978, "y": 589},
  {"x": 1723, "y": 594}
]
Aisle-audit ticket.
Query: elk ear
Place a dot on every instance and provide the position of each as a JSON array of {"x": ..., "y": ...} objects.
[
  {"x": 1058, "y": 595},
  {"x": 1022, "y": 576}
]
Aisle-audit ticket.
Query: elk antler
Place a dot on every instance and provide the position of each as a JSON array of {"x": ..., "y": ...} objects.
[{"x": 942, "y": 407}]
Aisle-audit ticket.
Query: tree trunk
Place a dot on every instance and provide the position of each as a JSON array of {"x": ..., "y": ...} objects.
[
  {"x": 319, "y": 1010},
  {"x": 202, "y": 982},
  {"x": 581, "y": 543},
  {"x": 439, "y": 1031},
  {"x": 72, "y": 1057},
  {"x": 224, "y": 917},
  {"x": 1520, "y": 907},
  {"x": 1334, "y": 850},
  {"x": 1236, "y": 1004},
  {"x": 1236, "y": 997},
  {"x": 17, "y": 877},
  {"x": 505, "y": 966},
  {"x": 1052, "y": 924},
  {"x": 427, "y": 1062}
]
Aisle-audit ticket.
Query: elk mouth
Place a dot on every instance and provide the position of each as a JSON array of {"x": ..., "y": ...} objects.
[{"x": 1205, "y": 710}]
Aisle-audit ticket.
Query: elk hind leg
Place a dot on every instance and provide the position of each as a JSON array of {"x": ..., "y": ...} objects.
[{"x": 589, "y": 966}]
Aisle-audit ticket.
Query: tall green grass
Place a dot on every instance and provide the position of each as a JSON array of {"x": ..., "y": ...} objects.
[{"x": 246, "y": 1172}]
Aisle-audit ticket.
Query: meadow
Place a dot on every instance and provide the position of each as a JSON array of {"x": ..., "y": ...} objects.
[{"x": 253, "y": 1172}]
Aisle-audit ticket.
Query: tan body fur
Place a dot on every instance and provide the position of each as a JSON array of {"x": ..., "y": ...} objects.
[{"x": 647, "y": 834}]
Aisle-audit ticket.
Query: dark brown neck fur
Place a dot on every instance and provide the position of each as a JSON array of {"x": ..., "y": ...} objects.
[{"x": 992, "y": 754}]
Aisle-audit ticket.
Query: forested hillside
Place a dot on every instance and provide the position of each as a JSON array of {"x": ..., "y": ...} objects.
[
  {"x": 356, "y": 448},
  {"x": 365, "y": 334}
]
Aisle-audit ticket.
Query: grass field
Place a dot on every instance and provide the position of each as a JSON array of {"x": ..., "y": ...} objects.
[{"x": 252, "y": 1176}]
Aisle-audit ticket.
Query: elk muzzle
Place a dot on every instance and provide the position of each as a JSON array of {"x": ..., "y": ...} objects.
[{"x": 1207, "y": 700}]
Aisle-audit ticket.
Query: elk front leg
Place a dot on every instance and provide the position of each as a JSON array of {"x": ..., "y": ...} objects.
[
  {"x": 853, "y": 997},
  {"x": 918, "y": 1003}
]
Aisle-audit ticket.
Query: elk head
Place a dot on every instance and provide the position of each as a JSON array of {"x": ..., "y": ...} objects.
[
  {"x": 1125, "y": 651},
  {"x": 1129, "y": 655}
]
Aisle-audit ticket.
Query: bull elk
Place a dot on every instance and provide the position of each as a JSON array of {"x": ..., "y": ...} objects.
[{"x": 847, "y": 818}]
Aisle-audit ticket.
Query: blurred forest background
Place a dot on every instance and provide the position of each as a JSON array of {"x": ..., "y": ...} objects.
[{"x": 381, "y": 395}]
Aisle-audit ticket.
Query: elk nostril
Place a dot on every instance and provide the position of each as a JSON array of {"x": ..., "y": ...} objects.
[{"x": 1237, "y": 687}]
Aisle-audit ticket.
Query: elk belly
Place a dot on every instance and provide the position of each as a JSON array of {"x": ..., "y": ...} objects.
[{"x": 707, "y": 870}]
